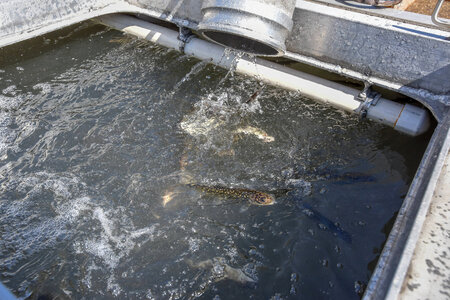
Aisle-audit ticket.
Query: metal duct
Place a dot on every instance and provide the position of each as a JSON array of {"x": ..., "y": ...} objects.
[{"x": 255, "y": 26}]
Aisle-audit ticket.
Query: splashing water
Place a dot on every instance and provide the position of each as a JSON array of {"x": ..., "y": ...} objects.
[{"x": 91, "y": 156}]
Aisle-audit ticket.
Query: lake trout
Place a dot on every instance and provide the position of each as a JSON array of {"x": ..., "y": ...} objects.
[{"x": 255, "y": 197}]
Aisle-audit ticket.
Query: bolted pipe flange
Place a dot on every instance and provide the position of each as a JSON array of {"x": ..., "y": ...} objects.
[{"x": 255, "y": 26}]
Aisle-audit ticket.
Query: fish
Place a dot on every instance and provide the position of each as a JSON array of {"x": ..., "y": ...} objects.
[
  {"x": 324, "y": 221},
  {"x": 352, "y": 177},
  {"x": 221, "y": 270},
  {"x": 168, "y": 196},
  {"x": 258, "y": 133},
  {"x": 253, "y": 196},
  {"x": 342, "y": 178}
]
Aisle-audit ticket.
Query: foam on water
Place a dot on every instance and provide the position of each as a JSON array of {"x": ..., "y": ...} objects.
[
  {"x": 43, "y": 88},
  {"x": 33, "y": 226},
  {"x": 217, "y": 119},
  {"x": 114, "y": 243},
  {"x": 7, "y": 136},
  {"x": 91, "y": 202},
  {"x": 29, "y": 227}
]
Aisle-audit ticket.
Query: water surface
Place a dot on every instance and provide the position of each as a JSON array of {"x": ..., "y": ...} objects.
[{"x": 98, "y": 136}]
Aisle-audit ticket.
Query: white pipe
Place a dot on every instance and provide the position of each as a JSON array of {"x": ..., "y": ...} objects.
[{"x": 406, "y": 118}]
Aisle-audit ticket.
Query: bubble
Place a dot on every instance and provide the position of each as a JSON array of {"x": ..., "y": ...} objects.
[
  {"x": 293, "y": 290},
  {"x": 308, "y": 212},
  {"x": 359, "y": 287},
  {"x": 250, "y": 269},
  {"x": 322, "y": 226},
  {"x": 194, "y": 244},
  {"x": 149, "y": 295},
  {"x": 277, "y": 296}
]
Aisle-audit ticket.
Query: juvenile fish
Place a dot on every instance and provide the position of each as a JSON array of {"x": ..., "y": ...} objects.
[
  {"x": 258, "y": 133},
  {"x": 255, "y": 197}
]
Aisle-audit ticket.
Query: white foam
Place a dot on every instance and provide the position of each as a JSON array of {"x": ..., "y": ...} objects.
[
  {"x": 194, "y": 244},
  {"x": 7, "y": 135},
  {"x": 32, "y": 228},
  {"x": 11, "y": 102},
  {"x": 44, "y": 88},
  {"x": 215, "y": 111},
  {"x": 113, "y": 286},
  {"x": 100, "y": 248},
  {"x": 12, "y": 90},
  {"x": 114, "y": 241}
]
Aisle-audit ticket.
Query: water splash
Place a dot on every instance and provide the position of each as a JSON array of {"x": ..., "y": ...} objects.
[
  {"x": 88, "y": 155},
  {"x": 197, "y": 68}
]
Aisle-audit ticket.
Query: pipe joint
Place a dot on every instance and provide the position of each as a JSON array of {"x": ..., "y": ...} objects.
[
  {"x": 185, "y": 35},
  {"x": 368, "y": 98}
]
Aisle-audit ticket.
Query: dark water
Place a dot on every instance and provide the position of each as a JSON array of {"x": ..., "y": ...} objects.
[{"x": 97, "y": 137}]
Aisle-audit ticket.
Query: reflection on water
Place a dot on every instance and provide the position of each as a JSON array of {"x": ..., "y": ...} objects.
[{"x": 96, "y": 151}]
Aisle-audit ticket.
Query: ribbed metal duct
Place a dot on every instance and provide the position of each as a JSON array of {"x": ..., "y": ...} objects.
[{"x": 255, "y": 26}]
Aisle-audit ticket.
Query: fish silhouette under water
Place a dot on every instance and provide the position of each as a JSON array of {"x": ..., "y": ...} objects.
[
  {"x": 221, "y": 270},
  {"x": 324, "y": 221},
  {"x": 255, "y": 197}
]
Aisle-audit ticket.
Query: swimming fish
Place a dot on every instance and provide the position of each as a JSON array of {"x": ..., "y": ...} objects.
[
  {"x": 255, "y": 197},
  {"x": 325, "y": 222},
  {"x": 346, "y": 177},
  {"x": 258, "y": 133},
  {"x": 221, "y": 270}
]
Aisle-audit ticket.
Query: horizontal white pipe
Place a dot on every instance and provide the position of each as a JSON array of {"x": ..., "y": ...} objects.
[{"x": 406, "y": 118}]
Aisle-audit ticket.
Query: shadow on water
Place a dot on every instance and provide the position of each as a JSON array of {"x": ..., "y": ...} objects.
[{"x": 386, "y": 230}]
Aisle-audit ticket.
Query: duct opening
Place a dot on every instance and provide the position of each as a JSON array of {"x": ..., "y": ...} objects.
[
  {"x": 259, "y": 27},
  {"x": 242, "y": 43}
]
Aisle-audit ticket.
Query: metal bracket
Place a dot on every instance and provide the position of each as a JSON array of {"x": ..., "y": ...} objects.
[
  {"x": 368, "y": 98},
  {"x": 184, "y": 35}
]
